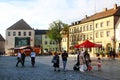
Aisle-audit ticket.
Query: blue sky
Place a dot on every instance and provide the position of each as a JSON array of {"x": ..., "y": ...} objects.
[{"x": 40, "y": 13}]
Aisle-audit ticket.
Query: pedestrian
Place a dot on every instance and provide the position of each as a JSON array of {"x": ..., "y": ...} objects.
[
  {"x": 110, "y": 54},
  {"x": 19, "y": 60},
  {"x": 114, "y": 54},
  {"x": 33, "y": 55},
  {"x": 87, "y": 59},
  {"x": 23, "y": 57},
  {"x": 99, "y": 63},
  {"x": 78, "y": 61},
  {"x": 56, "y": 62},
  {"x": 82, "y": 61},
  {"x": 77, "y": 64},
  {"x": 64, "y": 59}
]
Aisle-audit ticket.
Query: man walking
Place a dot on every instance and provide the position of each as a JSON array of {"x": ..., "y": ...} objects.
[
  {"x": 19, "y": 59},
  {"x": 32, "y": 55},
  {"x": 64, "y": 59},
  {"x": 23, "y": 57}
]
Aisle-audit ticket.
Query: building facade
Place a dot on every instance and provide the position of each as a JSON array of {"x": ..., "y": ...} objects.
[
  {"x": 64, "y": 43},
  {"x": 2, "y": 44},
  {"x": 41, "y": 39},
  {"x": 99, "y": 28},
  {"x": 18, "y": 35}
]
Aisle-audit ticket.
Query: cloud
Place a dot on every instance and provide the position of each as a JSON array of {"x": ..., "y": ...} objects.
[{"x": 40, "y": 13}]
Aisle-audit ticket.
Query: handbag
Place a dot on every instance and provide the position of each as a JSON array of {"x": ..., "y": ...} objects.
[{"x": 53, "y": 60}]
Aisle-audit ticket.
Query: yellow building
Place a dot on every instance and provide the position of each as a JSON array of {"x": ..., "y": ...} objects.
[{"x": 99, "y": 28}]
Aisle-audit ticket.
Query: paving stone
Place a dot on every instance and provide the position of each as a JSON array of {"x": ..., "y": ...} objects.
[{"x": 43, "y": 70}]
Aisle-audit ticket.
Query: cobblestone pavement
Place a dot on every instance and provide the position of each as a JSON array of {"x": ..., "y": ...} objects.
[{"x": 43, "y": 70}]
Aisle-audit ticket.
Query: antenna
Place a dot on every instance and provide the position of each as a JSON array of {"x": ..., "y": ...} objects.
[{"x": 95, "y": 6}]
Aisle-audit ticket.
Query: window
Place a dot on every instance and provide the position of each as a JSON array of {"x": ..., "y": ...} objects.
[
  {"x": 50, "y": 42},
  {"x": 77, "y": 30},
  {"x": 90, "y": 27},
  {"x": 96, "y": 35},
  {"x": 8, "y": 33},
  {"x": 96, "y": 25},
  {"x": 74, "y": 30},
  {"x": 19, "y": 33},
  {"x": 24, "y": 33},
  {"x": 91, "y": 36},
  {"x": 84, "y": 37},
  {"x": 14, "y": 33},
  {"x": 108, "y": 23},
  {"x": 108, "y": 33},
  {"x": 101, "y": 24},
  {"x": 46, "y": 42},
  {"x": 29, "y": 33},
  {"x": 83, "y": 28},
  {"x": 87, "y": 28},
  {"x": 101, "y": 34},
  {"x": 45, "y": 37}
]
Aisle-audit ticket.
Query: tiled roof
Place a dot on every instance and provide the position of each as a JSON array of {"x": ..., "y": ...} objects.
[
  {"x": 110, "y": 12},
  {"x": 100, "y": 15},
  {"x": 20, "y": 25},
  {"x": 38, "y": 32},
  {"x": 1, "y": 38}
]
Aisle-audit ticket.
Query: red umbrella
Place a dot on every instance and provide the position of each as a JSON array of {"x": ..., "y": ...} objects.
[{"x": 87, "y": 44}]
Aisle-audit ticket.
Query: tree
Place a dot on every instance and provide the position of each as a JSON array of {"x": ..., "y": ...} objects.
[{"x": 54, "y": 31}]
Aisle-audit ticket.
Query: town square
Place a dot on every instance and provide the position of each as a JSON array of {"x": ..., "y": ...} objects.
[
  {"x": 60, "y": 40},
  {"x": 43, "y": 70}
]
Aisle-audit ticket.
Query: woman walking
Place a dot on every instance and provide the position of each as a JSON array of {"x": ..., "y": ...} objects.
[{"x": 56, "y": 62}]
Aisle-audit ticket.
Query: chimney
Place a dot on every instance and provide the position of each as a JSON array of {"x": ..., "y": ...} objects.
[
  {"x": 86, "y": 16},
  {"x": 115, "y": 6},
  {"x": 72, "y": 23},
  {"x": 75, "y": 23},
  {"x": 105, "y": 9}
]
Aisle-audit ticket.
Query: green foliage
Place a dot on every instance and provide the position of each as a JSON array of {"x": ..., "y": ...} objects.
[{"x": 55, "y": 29}]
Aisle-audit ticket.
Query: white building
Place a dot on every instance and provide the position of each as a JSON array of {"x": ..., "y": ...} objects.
[{"x": 18, "y": 35}]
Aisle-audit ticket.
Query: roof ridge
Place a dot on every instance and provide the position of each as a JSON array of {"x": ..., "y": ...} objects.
[
  {"x": 1, "y": 38},
  {"x": 20, "y": 25},
  {"x": 102, "y": 14}
]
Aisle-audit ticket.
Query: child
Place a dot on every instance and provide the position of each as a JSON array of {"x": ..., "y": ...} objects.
[
  {"x": 89, "y": 66},
  {"x": 99, "y": 64}
]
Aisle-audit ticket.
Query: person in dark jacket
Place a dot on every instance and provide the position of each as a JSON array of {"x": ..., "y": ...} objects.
[
  {"x": 87, "y": 59},
  {"x": 78, "y": 53},
  {"x": 23, "y": 57},
  {"x": 64, "y": 59},
  {"x": 56, "y": 62}
]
